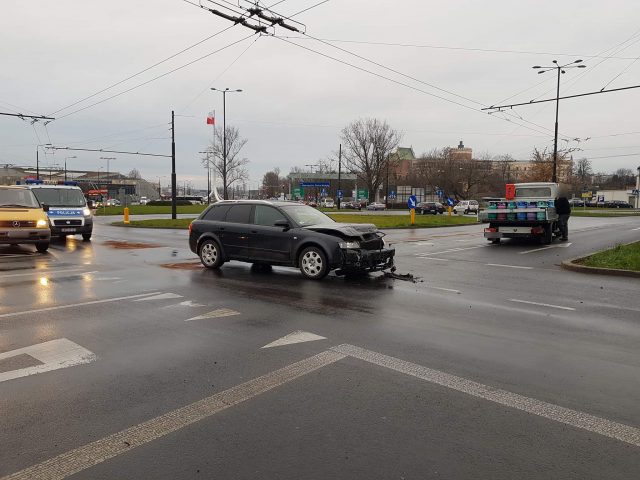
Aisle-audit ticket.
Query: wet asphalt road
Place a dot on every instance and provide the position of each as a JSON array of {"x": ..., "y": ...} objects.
[{"x": 481, "y": 357}]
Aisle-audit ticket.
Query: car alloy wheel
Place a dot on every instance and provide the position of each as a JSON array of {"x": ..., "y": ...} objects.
[
  {"x": 313, "y": 263},
  {"x": 210, "y": 254}
]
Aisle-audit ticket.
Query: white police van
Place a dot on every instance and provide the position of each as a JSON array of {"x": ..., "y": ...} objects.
[{"x": 68, "y": 211}]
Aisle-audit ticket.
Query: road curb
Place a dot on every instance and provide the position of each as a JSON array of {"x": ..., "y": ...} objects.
[{"x": 616, "y": 272}]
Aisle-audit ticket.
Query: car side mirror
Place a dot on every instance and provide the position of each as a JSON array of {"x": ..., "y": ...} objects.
[
  {"x": 45, "y": 207},
  {"x": 282, "y": 223}
]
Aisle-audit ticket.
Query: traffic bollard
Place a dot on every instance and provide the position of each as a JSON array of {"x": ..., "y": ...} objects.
[{"x": 126, "y": 215}]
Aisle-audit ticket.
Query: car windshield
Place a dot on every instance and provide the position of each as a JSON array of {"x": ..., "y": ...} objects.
[
  {"x": 17, "y": 197},
  {"x": 60, "y": 197},
  {"x": 304, "y": 215}
]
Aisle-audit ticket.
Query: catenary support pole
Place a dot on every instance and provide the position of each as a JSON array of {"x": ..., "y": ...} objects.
[{"x": 173, "y": 167}]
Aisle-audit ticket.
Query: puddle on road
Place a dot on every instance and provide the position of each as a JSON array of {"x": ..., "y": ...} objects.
[
  {"x": 123, "y": 245},
  {"x": 183, "y": 265}
]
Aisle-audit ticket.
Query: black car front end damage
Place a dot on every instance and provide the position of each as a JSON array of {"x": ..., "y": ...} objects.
[{"x": 362, "y": 248}]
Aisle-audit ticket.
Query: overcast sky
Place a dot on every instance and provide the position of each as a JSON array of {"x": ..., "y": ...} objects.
[{"x": 294, "y": 101}]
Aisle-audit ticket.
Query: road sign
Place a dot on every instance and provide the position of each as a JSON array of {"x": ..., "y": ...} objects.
[
  {"x": 412, "y": 202},
  {"x": 340, "y": 194},
  {"x": 297, "y": 192},
  {"x": 636, "y": 192},
  {"x": 587, "y": 195},
  {"x": 314, "y": 184},
  {"x": 600, "y": 198},
  {"x": 323, "y": 193},
  {"x": 450, "y": 202},
  {"x": 363, "y": 193},
  {"x": 392, "y": 195},
  {"x": 440, "y": 193}
]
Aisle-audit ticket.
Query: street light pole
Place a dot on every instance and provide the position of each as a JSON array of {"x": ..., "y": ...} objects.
[
  {"x": 108, "y": 159},
  {"x": 224, "y": 138},
  {"x": 65, "y": 167},
  {"x": 560, "y": 69}
]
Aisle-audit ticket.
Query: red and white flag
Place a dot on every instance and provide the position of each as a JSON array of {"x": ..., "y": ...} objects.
[{"x": 211, "y": 118}]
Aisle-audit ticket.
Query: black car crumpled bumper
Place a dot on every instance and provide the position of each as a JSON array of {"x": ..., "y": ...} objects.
[{"x": 367, "y": 260}]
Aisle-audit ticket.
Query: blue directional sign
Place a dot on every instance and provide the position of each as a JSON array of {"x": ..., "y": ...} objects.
[
  {"x": 392, "y": 195},
  {"x": 450, "y": 202},
  {"x": 440, "y": 193},
  {"x": 340, "y": 194},
  {"x": 323, "y": 192},
  {"x": 412, "y": 202},
  {"x": 314, "y": 184},
  {"x": 636, "y": 192}
]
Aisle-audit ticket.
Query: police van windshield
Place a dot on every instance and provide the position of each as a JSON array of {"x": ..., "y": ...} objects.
[{"x": 60, "y": 197}]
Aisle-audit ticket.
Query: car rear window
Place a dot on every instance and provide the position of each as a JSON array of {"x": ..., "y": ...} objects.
[
  {"x": 216, "y": 213},
  {"x": 239, "y": 214}
]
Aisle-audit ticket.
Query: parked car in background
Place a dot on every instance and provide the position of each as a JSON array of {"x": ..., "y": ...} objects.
[
  {"x": 466, "y": 206},
  {"x": 286, "y": 234},
  {"x": 376, "y": 206},
  {"x": 429, "y": 207},
  {"x": 327, "y": 203},
  {"x": 576, "y": 202},
  {"x": 617, "y": 204},
  {"x": 143, "y": 200}
]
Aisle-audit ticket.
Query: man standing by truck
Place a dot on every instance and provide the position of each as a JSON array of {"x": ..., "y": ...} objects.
[{"x": 563, "y": 209}]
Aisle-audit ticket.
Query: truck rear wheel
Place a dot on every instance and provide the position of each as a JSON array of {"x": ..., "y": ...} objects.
[
  {"x": 495, "y": 241},
  {"x": 547, "y": 236}
]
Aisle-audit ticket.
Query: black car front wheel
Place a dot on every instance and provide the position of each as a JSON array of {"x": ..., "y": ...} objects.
[
  {"x": 210, "y": 254},
  {"x": 313, "y": 263}
]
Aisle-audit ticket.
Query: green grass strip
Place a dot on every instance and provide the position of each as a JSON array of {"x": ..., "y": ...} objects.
[
  {"x": 381, "y": 221},
  {"x": 150, "y": 210},
  {"x": 623, "y": 257}
]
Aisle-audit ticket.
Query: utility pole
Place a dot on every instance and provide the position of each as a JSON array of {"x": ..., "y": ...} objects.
[
  {"x": 37, "y": 163},
  {"x": 339, "y": 173},
  {"x": 173, "y": 166},
  {"x": 386, "y": 195},
  {"x": 225, "y": 193}
]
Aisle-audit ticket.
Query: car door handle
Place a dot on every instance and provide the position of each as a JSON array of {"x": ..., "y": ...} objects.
[
  {"x": 254, "y": 231},
  {"x": 221, "y": 229}
]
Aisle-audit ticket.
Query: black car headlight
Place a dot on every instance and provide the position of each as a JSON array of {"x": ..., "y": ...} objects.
[{"x": 349, "y": 244}]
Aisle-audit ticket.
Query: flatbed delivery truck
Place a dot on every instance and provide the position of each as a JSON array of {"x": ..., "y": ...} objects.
[{"x": 527, "y": 211}]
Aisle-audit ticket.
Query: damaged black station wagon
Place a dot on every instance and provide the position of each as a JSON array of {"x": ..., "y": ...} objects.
[{"x": 288, "y": 234}]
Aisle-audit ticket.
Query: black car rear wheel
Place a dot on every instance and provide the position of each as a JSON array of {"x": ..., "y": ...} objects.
[
  {"x": 210, "y": 254},
  {"x": 313, "y": 263}
]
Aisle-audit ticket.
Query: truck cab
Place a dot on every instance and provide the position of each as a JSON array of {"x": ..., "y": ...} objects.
[{"x": 68, "y": 211}]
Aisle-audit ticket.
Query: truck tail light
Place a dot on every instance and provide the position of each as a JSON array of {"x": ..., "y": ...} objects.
[
  {"x": 537, "y": 230},
  {"x": 490, "y": 230}
]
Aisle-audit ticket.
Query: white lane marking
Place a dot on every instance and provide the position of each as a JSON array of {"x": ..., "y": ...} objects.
[
  {"x": 295, "y": 337},
  {"x": 55, "y": 354},
  {"x": 187, "y": 303},
  {"x": 42, "y": 273},
  {"x": 508, "y": 266},
  {"x": 160, "y": 296},
  {"x": 451, "y": 250},
  {"x": 94, "y": 453},
  {"x": 561, "y": 245},
  {"x": 634, "y": 229},
  {"x": 435, "y": 258},
  {"x": 72, "y": 305},
  {"x": 221, "y": 312},
  {"x": 106, "y": 279},
  {"x": 425, "y": 244},
  {"x": 574, "y": 418},
  {"x": 541, "y": 304},
  {"x": 446, "y": 289}
]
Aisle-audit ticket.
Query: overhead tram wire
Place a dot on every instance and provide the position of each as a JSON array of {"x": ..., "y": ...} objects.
[
  {"x": 143, "y": 70},
  {"x": 400, "y": 83},
  {"x": 157, "y": 77},
  {"x": 483, "y": 50},
  {"x": 220, "y": 74},
  {"x": 421, "y": 81}
]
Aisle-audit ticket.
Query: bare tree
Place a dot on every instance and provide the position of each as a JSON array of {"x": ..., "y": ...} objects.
[
  {"x": 135, "y": 173},
  {"x": 368, "y": 146},
  {"x": 231, "y": 168},
  {"x": 272, "y": 183},
  {"x": 583, "y": 171}
]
